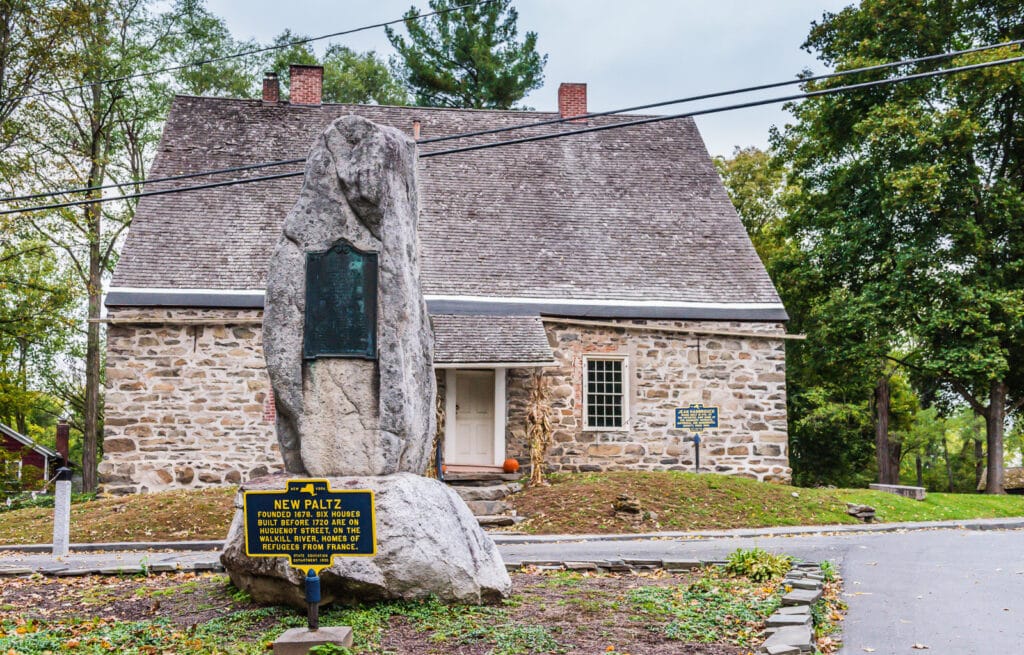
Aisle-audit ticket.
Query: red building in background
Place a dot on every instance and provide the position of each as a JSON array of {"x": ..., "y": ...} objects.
[{"x": 31, "y": 453}]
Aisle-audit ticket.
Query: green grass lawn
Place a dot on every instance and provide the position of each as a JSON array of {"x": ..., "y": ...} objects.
[{"x": 671, "y": 500}]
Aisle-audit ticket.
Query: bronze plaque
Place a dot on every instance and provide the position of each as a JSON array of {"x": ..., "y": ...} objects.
[{"x": 341, "y": 303}]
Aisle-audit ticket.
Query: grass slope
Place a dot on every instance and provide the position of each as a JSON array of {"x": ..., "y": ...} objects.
[
  {"x": 203, "y": 514},
  {"x": 672, "y": 500},
  {"x": 572, "y": 504}
]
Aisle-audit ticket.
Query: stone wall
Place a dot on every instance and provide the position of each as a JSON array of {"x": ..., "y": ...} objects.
[
  {"x": 744, "y": 376},
  {"x": 188, "y": 401},
  {"x": 187, "y": 404}
]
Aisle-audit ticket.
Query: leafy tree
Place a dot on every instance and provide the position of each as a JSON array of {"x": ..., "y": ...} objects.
[
  {"x": 911, "y": 197},
  {"x": 838, "y": 380},
  {"x": 468, "y": 57},
  {"x": 30, "y": 34},
  {"x": 349, "y": 76},
  {"x": 195, "y": 34},
  {"x": 36, "y": 324},
  {"x": 756, "y": 183},
  {"x": 102, "y": 128}
]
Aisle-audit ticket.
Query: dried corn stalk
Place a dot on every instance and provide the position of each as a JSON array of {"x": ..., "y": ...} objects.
[
  {"x": 538, "y": 426},
  {"x": 440, "y": 415}
]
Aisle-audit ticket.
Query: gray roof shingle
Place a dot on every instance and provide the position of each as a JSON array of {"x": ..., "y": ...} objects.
[
  {"x": 630, "y": 214},
  {"x": 489, "y": 339}
]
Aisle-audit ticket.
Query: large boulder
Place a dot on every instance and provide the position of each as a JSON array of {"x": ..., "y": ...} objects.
[
  {"x": 352, "y": 416},
  {"x": 428, "y": 543}
]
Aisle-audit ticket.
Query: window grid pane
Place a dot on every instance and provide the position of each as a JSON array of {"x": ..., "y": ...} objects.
[{"x": 604, "y": 393}]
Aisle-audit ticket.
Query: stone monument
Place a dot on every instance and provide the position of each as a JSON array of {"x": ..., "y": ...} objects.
[{"x": 349, "y": 350}]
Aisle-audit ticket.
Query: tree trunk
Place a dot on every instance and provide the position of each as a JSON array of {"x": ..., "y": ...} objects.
[
  {"x": 979, "y": 456},
  {"x": 888, "y": 470},
  {"x": 20, "y": 418},
  {"x": 91, "y": 436},
  {"x": 949, "y": 466},
  {"x": 917, "y": 468},
  {"x": 995, "y": 420}
]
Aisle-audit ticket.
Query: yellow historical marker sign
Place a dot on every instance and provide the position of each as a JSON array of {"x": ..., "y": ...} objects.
[{"x": 310, "y": 524}]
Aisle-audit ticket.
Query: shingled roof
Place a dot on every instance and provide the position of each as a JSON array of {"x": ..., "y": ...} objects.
[
  {"x": 631, "y": 217},
  {"x": 463, "y": 339}
]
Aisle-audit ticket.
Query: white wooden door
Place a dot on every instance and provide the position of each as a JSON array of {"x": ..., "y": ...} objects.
[{"x": 474, "y": 418}]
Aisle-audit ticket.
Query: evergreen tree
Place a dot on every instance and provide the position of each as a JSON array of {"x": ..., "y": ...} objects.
[{"x": 467, "y": 57}]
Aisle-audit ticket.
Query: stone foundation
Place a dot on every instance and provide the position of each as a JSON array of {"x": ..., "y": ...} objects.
[
  {"x": 744, "y": 376},
  {"x": 188, "y": 404}
]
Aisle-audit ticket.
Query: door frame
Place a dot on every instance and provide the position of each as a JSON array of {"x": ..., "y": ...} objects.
[{"x": 500, "y": 411}]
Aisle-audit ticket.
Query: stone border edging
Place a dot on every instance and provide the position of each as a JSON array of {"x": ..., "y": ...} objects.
[
  {"x": 117, "y": 546},
  {"x": 968, "y": 524},
  {"x": 791, "y": 627},
  {"x": 503, "y": 538}
]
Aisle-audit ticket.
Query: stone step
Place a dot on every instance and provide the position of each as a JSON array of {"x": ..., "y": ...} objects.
[
  {"x": 470, "y": 477},
  {"x": 496, "y": 521},
  {"x": 488, "y": 507},
  {"x": 492, "y": 492}
]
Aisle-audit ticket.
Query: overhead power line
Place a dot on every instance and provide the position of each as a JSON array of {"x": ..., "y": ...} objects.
[
  {"x": 153, "y": 180},
  {"x": 719, "y": 94},
  {"x": 246, "y": 53},
  {"x": 559, "y": 135},
  {"x": 554, "y": 121},
  {"x": 716, "y": 110}
]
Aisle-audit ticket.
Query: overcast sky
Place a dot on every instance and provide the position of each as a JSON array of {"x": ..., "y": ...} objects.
[{"x": 628, "y": 53}]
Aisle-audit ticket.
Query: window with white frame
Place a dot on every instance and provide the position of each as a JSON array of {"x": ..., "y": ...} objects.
[{"x": 605, "y": 393}]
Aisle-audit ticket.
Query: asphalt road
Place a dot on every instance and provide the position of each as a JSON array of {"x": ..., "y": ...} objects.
[{"x": 958, "y": 592}]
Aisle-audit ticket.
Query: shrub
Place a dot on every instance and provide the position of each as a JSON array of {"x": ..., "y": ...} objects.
[{"x": 757, "y": 564}]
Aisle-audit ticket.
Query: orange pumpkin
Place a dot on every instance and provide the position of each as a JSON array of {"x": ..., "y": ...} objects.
[{"x": 511, "y": 465}]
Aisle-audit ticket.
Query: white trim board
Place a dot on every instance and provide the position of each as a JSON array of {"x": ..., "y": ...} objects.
[
  {"x": 611, "y": 302},
  {"x": 458, "y": 365}
]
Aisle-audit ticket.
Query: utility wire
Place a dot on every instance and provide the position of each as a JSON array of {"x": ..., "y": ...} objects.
[
  {"x": 463, "y": 135},
  {"x": 246, "y": 53},
  {"x": 160, "y": 192},
  {"x": 558, "y": 135},
  {"x": 716, "y": 110},
  {"x": 153, "y": 180},
  {"x": 719, "y": 94}
]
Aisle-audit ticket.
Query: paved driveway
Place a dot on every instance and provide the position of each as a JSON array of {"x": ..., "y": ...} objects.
[{"x": 958, "y": 592}]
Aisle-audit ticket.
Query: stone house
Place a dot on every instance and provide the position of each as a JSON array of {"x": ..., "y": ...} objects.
[{"x": 613, "y": 261}]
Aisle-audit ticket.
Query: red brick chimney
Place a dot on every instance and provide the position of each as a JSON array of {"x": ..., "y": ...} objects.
[
  {"x": 63, "y": 433},
  {"x": 572, "y": 100},
  {"x": 307, "y": 84},
  {"x": 271, "y": 88}
]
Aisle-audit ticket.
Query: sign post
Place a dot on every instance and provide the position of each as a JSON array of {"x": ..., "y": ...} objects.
[
  {"x": 310, "y": 524},
  {"x": 697, "y": 418}
]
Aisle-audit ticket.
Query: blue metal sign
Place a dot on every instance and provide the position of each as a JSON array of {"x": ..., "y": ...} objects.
[
  {"x": 696, "y": 418},
  {"x": 309, "y": 523}
]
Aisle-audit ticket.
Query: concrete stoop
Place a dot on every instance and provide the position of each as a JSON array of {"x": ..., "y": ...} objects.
[{"x": 485, "y": 493}]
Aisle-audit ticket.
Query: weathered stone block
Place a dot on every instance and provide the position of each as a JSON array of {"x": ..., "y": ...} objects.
[{"x": 352, "y": 416}]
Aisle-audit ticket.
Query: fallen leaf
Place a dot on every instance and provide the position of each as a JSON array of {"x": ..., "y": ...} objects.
[
  {"x": 868, "y": 650},
  {"x": 919, "y": 647}
]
